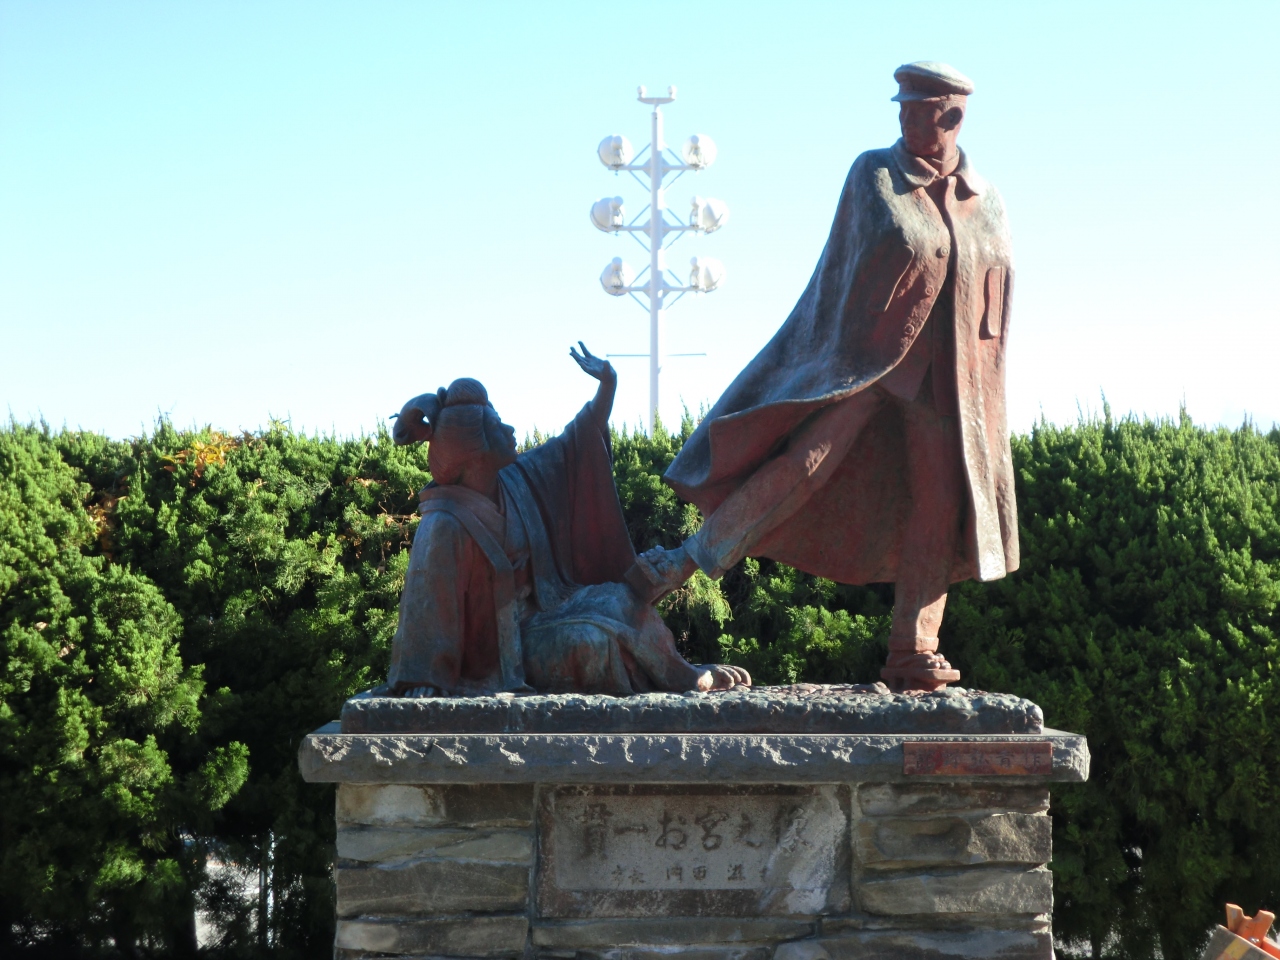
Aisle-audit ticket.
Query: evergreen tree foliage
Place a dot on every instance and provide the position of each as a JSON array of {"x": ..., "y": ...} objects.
[
  {"x": 98, "y": 773},
  {"x": 286, "y": 555}
]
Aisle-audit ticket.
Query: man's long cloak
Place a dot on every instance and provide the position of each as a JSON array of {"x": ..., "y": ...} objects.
[{"x": 877, "y": 282}]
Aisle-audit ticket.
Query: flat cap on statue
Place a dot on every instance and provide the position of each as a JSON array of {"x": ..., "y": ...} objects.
[{"x": 927, "y": 80}]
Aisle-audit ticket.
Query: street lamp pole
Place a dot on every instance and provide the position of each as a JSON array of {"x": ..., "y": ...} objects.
[
  {"x": 707, "y": 216},
  {"x": 657, "y": 206}
]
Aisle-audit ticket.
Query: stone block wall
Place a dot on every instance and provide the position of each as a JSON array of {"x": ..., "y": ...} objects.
[
  {"x": 434, "y": 870},
  {"x": 703, "y": 871}
]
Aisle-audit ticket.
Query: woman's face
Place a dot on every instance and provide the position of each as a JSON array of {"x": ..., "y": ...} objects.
[{"x": 502, "y": 438}]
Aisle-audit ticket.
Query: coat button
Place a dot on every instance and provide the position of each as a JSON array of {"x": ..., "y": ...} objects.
[
  {"x": 928, "y": 291},
  {"x": 942, "y": 252}
]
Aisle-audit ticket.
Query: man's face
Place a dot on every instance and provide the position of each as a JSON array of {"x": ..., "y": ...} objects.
[
  {"x": 502, "y": 438},
  {"x": 930, "y": 127}
]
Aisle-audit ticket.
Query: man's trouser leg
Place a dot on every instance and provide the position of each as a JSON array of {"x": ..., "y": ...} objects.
[
  {"x": 929, "y": 544},
  {"x": 781, "y": 486}
]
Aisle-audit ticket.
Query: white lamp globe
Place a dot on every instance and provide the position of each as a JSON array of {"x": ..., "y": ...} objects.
[
  {"x": 617, "y": 276},
  {"x": 607, "y": 214},
  {"x": 699, "y": 151},
  {"x": 709, "y": 214},
  {"x": 615, "y": 152},
  {"x": 705, "y": 274}
]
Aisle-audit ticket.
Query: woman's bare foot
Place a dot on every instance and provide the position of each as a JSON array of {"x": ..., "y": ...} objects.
[
  {"x": 721, "y": 676},
  {"x": 422, "y": 691},
  {"x": 658, "y": 571}
]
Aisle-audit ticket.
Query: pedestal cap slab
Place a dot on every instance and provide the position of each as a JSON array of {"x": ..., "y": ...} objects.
[
  {"x": 804, "y": 708},
  {"x": 330, "y": 756}
]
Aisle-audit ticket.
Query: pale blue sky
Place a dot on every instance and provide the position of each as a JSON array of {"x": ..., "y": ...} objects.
[{"x": 236, "y": 210}]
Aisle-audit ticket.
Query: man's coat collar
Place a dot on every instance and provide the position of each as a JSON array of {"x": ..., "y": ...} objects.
[{"x": 918, "y": 173}]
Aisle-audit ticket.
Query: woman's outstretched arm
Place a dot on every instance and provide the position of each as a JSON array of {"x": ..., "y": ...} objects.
[{"x": 602, "y": 370}]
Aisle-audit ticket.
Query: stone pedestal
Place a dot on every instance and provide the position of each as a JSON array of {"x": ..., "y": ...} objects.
[{"x": 799, "y": 823}]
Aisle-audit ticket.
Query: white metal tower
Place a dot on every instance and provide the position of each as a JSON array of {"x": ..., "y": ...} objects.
[{"x": 657, "y": 233}]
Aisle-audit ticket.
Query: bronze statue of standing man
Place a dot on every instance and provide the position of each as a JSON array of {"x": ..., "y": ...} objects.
[{"x": 867, "y": 441}]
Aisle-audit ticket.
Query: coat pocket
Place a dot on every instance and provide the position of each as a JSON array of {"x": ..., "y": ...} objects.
[
  {"x": 993, "y": 311},
  {"x": 891, "y": 266}
]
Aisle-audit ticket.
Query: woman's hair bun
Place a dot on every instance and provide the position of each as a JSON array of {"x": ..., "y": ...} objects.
[
  {"x": 464, "y": 390},
  {"x": 417, "y": 418}
]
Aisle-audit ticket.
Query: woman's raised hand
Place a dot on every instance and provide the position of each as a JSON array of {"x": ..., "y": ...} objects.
[{"x": 591, "y": 364}]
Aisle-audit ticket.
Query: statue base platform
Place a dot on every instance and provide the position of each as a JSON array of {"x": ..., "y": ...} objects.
[{"x": 785, "y": 823}]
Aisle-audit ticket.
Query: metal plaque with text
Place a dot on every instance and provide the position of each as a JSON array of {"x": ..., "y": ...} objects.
[{"x": 969, "y": 759}]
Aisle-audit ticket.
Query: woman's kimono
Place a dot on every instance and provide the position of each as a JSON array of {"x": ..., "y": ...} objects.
[{"x": 526, "y": 593}]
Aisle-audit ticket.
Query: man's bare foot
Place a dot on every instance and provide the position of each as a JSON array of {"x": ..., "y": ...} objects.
[
  {"x": 721, "y": 676},
  {"x": 658, "y": 571}
]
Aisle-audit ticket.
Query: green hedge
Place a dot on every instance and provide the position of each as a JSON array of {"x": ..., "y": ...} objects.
[
  {"x": 101, "y": 770},
  {"x": 1145, "y": 617},
  {"x": 178, "y": 610}
]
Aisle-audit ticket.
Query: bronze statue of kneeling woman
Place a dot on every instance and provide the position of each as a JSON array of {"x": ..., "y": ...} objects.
[{"x": 515, "y": 580}]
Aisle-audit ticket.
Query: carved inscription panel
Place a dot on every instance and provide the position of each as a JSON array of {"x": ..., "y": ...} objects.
[{"x": 657, "y": 850}]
